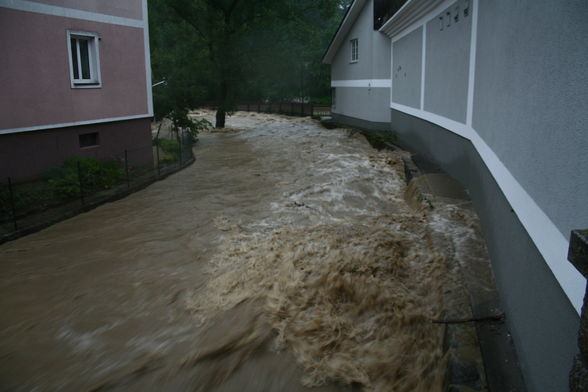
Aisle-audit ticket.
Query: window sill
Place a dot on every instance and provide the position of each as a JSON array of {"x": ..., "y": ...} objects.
[
  {"x": 354, "y": 62},
  {"x": 86, "y": 85},
  {"x": 90, "y": 147}
]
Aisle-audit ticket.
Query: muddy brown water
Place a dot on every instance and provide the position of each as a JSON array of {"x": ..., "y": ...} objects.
[{"x": 285, "y": 258}]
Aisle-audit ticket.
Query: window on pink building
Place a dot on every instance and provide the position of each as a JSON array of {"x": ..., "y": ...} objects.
[{"x": 84, "y": 60}]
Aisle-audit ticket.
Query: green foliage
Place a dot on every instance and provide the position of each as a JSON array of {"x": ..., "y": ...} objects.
[
  {"x": 95, "y": 175},
  {"x": 378, "y": 139},
  {"x": 169, "y": 150},
  {"x": 232, "y": 50},
  {"x": 24, "y": 196}
]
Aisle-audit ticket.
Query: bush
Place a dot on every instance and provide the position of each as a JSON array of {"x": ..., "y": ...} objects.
[
  {"x": 170, "y": 150},
  {"x": 95, "y": 175}
]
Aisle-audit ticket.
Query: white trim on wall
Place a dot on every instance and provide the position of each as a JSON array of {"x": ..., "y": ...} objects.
[
  {"x": 472, "y": 75},
  {"x": 72, "y": 124},
  {"x": 550, "y": 242},
  {"x": 423, "y": 64},
  {"x": 424, "y": 20},
  {"x": 39, "y": 8},
  {"x": 147, "y": 58},
  {"x": 368, "y": 83}
]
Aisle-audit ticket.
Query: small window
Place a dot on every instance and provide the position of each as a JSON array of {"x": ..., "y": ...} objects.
[
  {"x": 89, "y": 140},
  {"x": 84, "y": 63},
  {"x": 448, "y": 16},
  {"x": 354, "y": 50},
  {"x": 456, "y": 14},
  {"x": 441, "y": 23}
]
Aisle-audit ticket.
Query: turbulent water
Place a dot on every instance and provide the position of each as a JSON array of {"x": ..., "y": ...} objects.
[{"x": 288, "y": 256}]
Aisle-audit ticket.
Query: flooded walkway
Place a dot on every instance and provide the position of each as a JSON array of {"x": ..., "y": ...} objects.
[{"x": 285, "y": 258}]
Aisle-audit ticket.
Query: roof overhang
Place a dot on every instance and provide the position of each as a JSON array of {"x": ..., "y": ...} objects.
[
  {"x": 408, "y": 14},
  {"x": 348, "y": 21}
]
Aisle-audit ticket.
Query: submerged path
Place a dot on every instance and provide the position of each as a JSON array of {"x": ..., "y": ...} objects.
[{"x": 285, "y": 257}]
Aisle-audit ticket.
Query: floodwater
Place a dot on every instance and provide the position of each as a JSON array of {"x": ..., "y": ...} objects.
[{"x": 287, "y": 257}]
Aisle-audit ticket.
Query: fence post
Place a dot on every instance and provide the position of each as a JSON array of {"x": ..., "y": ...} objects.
[
  {"x": 248, "y": 106},
  {"x": 180, "y": 147},
  {"x": 258, "y": 107},
  {"x": 280, "y": 107},
  {"x": 12, "y": 206},
  {"x": 158, "y": 164},
  {"x": 302, "y": 109},
  {"x": 81, "y": 181},
  {"x": 127, "y": 169},
  {"x": 311, "y": 109}
]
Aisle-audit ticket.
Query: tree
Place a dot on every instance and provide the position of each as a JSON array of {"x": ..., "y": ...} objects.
[{"x": 227, "y": 50}]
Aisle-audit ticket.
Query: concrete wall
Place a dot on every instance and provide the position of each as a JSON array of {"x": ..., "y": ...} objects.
[
  {"x": 370, "y": 104},
  {"x": 126, "y": 9},
  {"x": 447, "y": 64},
  {"x": 407, "y": 69},
  {"x": 342, "y": 68},
  {"x": 363, "y": 101},
  {"x": 531, "y": 100},
  {"x": 36, "y": 88},
  {"x": 28, "y": 154},
  {"x": 529, "y": 116},
  {"x": 540, "y": 317}
]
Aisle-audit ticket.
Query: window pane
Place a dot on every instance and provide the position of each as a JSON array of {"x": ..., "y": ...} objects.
[
  {"x": 89, "y": 140},
  {"x": 85, "y": 58},
  {"x": 74, "y": 58}
]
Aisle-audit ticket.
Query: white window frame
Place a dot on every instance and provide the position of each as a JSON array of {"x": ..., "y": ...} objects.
[
  {"x": 354, "y": 50},
  {"x": 95, "y": 80}
]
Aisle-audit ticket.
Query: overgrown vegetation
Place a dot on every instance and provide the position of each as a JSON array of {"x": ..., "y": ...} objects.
[
  {"x": 378, "y": 139},
  {"x": 232, "y": 50},
  {"x": 90, "y": 173}
]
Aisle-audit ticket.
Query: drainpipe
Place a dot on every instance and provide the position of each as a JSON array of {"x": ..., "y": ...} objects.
[{"x": 578, "y": 256}]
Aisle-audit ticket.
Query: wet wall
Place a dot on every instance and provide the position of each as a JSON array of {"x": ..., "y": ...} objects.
[
  {"x": 28, "y": 154},
  {"x": 531, "y": 100},
  {"x": 540, "y": 317},
  {"x": 363, "y": 100}
]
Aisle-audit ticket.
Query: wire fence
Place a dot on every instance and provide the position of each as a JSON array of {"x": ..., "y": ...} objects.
[
  {"x": 82, "y": 183},
  {"x": 287, "y": 108}
]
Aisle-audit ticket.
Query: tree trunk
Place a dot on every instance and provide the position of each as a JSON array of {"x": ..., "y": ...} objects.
[
  {"x": 220, "y": 117},
  {"x": 221, "y": 112}
]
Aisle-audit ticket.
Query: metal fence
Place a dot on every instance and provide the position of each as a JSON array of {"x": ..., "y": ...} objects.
[
  {"x": 82, "y": 183},
  {"x": 287, "y": 108}
]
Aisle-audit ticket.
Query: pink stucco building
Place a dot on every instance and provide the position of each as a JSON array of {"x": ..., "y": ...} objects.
[{"x": 75, "y": 79}]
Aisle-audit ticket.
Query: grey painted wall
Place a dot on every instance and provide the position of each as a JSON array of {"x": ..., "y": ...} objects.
[
  {"x": 342, "y": 68},
  {"x": 531, "y": 100},
  {"x": 381, "y": 56},
  {"x": 370, "y": 104},
  {"x": 374, "y": 51},
  {"x": 407, "y": 69},
  {"x": 540, "y": 317},
  {"x": 447, "y": 64}
]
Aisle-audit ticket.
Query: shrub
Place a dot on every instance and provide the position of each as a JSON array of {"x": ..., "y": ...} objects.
[{"x": 95, "y": 175}]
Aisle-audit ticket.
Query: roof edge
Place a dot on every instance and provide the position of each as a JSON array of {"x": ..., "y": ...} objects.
[
  {"x": 348, "y": 20},
  {"x": 410, "y": 12}
]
